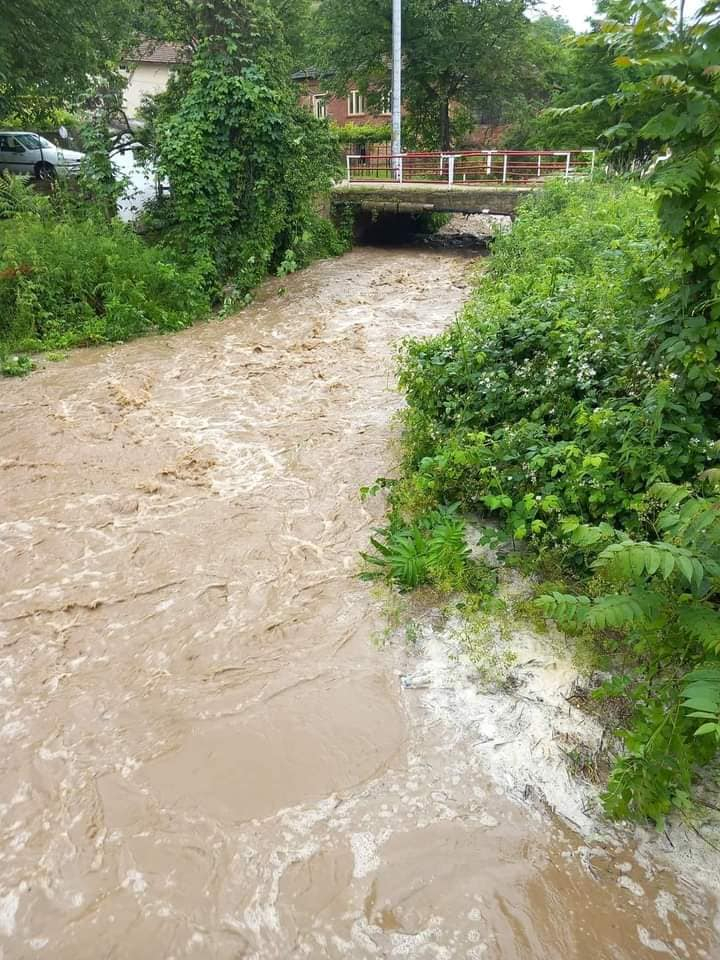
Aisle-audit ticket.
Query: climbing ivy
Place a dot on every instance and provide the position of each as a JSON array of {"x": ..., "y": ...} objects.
[{"x": 246, "y": 164}]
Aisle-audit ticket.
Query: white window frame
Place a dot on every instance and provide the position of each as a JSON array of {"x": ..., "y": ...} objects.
[
  {"x": 357, "y": 104},
  {"x": 320, "y": 105}
]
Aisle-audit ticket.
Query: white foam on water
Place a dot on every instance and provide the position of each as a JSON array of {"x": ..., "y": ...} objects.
[
  {"x": 135, "y": 881},
  {"x": 631, "y": 886},
  {"x": 522, "y": 733},
  {"x": 658, "y": 946},
  {"x": 9, "y": 904},
  {"x": 365, "y": 854}
]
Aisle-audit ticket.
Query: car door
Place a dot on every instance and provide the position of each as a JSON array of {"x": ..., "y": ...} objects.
[
  {"x": 13, "y": 155},
  {"x": 5, "y": 156}
]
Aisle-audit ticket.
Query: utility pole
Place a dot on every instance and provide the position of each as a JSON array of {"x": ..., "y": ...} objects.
[{"x": 396, "y": 148}]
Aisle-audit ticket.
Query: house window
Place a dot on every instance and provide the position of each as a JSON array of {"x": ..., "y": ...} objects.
[
  {"x": 386, "y": 104},
  {"x": 356, "y": 104},
  {"x": 320, "y": 106}
]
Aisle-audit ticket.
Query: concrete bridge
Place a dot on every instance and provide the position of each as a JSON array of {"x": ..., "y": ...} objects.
[{"x": 485, "y": 181}]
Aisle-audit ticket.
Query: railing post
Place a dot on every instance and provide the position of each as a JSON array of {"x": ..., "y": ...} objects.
[
  {"x": 567, "y": 167},
  {"x": 489, "y": 162},
  {"x": 539, "y": 164},
  {"x": 451, "y": 171},
  {"x": 592, "y": 164},
  {"x": 348, "y": 166},
  {"x": 505, "y": 168},
  {"x": 400, "y": 169}
]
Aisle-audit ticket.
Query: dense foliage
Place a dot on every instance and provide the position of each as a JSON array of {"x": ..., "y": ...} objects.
[
  {"x": 550, "y": 376},
  {"x": 575, "y": 400},
  {"x": 459, "y": 58},
  {"x": 49, "y": 50},
  {"x": 585, "y": 72},
  {"x": 552, "y": 405},
  {"x": 67, "y": 279},
  {"x": 351, "y": 133},
  {"x": 248, "y": 169},
  {"x": 246, "y": 164}
]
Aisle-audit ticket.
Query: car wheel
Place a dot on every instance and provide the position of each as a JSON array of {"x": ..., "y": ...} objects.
[{"x": 44, "y": 171}]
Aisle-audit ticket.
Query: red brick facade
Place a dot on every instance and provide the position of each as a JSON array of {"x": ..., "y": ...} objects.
[
  {"x": 353, "y": 109},
  {"x": 335, "y": 108}
]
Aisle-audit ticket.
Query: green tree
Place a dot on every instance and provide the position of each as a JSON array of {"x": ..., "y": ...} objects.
[
  {"x": 296, "y": 17},
  {"x": 50, "y": 48},
  {"x": 244, "y": 160},
  {"x": 669, "y": 101},
  {"x": 585, "y": 72},
  {"x": 459, "y": 56},
  {"x": 545, "y": 71},
  {"x": 581, "y": 72}
]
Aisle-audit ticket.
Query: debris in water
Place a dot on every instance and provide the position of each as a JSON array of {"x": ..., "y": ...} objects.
[{"x": 415, "y": 681}]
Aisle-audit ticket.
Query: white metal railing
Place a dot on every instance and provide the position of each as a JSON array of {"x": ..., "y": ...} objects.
[{"x": 477, "y": 167}]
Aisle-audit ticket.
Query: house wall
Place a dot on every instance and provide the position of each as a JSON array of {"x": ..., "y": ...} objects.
[
  {"x": 482, "y": 137},
  {"x": 145, "y": 80},
  {"x": 337, "y": 107}
]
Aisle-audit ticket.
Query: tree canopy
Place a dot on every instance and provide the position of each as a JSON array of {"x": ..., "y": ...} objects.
[
  {"x": 245, "y": 161},
  {"x": 49, "y": 49},
  {"x": 584, "y": 70},
  {"x": 459, "y": 56}
]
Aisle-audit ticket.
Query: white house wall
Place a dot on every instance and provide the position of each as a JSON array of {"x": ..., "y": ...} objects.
[{"x": 145, "y": 80}]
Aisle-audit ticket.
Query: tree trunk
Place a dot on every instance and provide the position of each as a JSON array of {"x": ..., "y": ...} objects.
[{"x": 444, "y": 125}]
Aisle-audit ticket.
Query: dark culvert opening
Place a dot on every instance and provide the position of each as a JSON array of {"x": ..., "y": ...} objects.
[{"x": 471, "y": 232}]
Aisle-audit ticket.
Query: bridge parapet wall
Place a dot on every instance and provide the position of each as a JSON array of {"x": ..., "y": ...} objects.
[{"x": 437, "y": 198}]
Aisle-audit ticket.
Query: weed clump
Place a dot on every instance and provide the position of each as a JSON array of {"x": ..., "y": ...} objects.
[{"x": 74, "y": 278}]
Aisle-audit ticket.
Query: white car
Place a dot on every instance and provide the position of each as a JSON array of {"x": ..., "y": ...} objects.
[{"x": 34, "y": 156}]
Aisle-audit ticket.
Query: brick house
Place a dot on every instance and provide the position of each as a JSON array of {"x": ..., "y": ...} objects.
[
  {"x": 354, "y": 109},
  {"x": 341, "y": 110}
]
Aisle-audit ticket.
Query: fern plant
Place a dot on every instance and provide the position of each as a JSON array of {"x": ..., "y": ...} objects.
[
  {"x": 701, "y": 700},
  {"x": 431, "y": 549},
  {"x": 664, "y": 607},
  {"x": 17, "y": 196}
]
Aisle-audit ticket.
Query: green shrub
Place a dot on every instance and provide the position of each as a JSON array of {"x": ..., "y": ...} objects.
[
  {"x": 87, "y": 281},
  {"x": 247, "y": 166},
  {"x": 350, "y": 133},
  {"x": 18, "y": 366},
  {"x": 321, "y": 238},
  {"x": 550, "y": 381},
  {"x": 663, "y": 612}
]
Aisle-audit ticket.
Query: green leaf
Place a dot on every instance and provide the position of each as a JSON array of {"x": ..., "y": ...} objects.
[
  {"x": 684, "y": 565},
  {"x": 667, "y": 565},
  {"x": 708, "y": 728}
]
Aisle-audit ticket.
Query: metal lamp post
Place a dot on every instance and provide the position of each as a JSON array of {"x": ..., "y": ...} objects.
[{"x": 396, "y": 148}]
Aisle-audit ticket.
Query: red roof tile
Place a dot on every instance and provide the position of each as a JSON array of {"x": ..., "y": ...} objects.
[{"x": 156, "y": 52}]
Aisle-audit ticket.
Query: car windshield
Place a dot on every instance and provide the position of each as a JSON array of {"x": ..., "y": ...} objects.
[{"x": 33, "y": 141}]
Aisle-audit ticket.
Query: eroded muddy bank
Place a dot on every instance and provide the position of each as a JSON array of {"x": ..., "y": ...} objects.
[{"x": 203, "y": 753}]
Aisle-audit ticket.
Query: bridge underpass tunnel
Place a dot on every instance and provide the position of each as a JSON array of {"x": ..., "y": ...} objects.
[{"x": 392, "y": 228}]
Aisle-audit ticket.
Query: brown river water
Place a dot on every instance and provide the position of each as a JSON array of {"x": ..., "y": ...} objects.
[{"x": 204, "y": 755}]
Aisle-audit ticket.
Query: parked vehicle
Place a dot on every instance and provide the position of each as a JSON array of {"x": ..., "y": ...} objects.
[{"x": 30, "y": 154}]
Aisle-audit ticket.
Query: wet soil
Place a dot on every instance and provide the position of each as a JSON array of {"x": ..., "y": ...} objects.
[{"x": 203, "y": 753}]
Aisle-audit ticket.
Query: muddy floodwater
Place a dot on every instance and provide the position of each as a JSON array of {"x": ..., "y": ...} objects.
[{"x": 204, "y": 754}]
